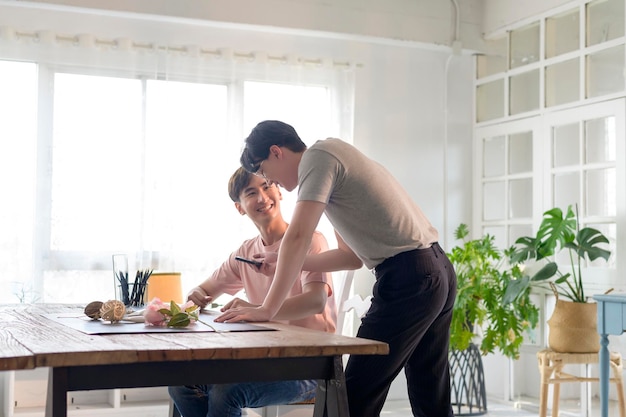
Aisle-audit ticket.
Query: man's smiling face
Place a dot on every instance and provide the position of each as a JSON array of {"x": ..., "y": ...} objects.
[{"x": 260, "y": 200}]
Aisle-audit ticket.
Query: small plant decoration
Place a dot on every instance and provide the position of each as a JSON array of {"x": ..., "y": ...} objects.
[
  {"x": 558, "y": 232},
  {"x": 158, "y": 313},
  {"x": 482, "y": 279}
]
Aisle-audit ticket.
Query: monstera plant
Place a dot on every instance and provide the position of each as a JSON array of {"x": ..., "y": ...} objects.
[
  {"x": 573, "y": 323},
  {"x": 558, "y": 232}
]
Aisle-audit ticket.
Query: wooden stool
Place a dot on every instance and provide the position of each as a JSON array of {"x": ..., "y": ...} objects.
[{"x": 551, "y": 365}]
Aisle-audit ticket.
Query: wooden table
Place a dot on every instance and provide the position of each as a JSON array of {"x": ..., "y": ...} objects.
[
  {"x": 611, "y": 320},
  {"x": 79, "y": 361}
]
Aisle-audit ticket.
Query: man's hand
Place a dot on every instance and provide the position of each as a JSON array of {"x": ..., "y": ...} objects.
[
  {"x": 235, "y": 303},
  {"x": 245, "y": 314},
  {"x": 199, "y": 297},
  {"x": 268, "y": 268}
]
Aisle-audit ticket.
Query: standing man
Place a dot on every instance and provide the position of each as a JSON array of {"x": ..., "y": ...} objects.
[
  {"x": 376, "y": 221},
  {"x": 309, "y": 303}
]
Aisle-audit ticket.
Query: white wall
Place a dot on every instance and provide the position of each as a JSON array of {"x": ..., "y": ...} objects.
[{"x": 424, "y": 21}]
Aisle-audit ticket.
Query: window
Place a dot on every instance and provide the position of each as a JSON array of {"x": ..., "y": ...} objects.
[
  {"x": 97, "y": 163},
  {"x": 310, "y": 130},
  {"x": 560, "y": 59}
]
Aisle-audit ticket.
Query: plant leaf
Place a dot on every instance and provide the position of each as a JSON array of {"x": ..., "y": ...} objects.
[
  {"x": 165, "y": 312},
  {"x": 179, "y": 320},
  {"x": 546, "y": 272},
  {"x": 525, "y": 249},
  {"x": 555, "y": 231},
  {"x": 461, "y": 232},
  {"x": 562, "y": 279},
  {"x": 174, "y": 308},
  {"x": 514, "y": 288},
  {"x": 587, "y": 239}
]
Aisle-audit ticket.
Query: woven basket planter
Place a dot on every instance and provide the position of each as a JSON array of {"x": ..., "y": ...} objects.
[{"x": 574, "y": 328}]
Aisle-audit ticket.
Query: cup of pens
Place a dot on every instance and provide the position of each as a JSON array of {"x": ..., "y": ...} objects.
[{"x": 131, "y": 293}]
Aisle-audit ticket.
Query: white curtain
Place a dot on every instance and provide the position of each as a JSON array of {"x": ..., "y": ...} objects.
[{"x": 113, "y": 146}]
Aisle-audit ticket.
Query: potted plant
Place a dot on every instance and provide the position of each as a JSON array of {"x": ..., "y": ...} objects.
[
  {"x": 482, "y": 281},
  {"x": 573, "y": 324},
  {"x": 480, "y": 309}
]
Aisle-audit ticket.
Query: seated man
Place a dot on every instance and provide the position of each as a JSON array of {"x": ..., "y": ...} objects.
[{"x": 310, "y": 303}]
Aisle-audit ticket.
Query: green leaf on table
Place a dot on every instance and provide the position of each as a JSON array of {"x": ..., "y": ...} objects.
[
  {"x": 179, "y": 320},
  {"x": 174, "y": 308}
]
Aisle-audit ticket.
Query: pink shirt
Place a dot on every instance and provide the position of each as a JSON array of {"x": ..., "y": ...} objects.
[{"x": 232, "y": 276}]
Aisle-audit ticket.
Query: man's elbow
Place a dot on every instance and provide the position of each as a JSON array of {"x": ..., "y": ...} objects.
[
  {"x": 319, "y": 304},
  {"x": 355, "y": 263}
]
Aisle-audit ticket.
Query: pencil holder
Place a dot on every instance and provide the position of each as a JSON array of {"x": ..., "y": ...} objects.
[{"x": 131, "y": 293}]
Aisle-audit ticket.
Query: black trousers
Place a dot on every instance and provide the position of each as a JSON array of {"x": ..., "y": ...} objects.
[{"x": 411, "y": 311}]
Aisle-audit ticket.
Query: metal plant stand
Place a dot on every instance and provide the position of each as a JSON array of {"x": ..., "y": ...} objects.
[{"x": 467, "y": 382}]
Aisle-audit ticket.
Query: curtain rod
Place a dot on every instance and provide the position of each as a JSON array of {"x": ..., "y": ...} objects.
[{"x": 125, "y": 44}]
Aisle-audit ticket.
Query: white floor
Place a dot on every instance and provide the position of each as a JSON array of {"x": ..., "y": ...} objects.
[
  {"x": 568, "y": 408},
  {"x": 529, "y": 408},
  {"x": 401, "y": 408}
]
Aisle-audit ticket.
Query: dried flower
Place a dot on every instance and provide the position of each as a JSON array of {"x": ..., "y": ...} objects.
[{"x": 113, "y": 311}]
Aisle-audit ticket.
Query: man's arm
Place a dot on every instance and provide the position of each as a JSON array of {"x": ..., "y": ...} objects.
[
  {"x": 340, "y": 259},
  {"x": 293, "y": 250},
  {"x": 311, "y": 301},
  {"x": 204, "y": 293}
]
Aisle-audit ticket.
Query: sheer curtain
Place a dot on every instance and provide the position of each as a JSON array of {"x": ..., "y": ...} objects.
[{"x": 113, "y": 146}]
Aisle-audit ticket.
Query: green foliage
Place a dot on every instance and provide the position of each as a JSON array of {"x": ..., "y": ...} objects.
[
  {"x": 558, "y": 232},
  {"x": 482, "y": 282},
  {"x": 176, "y": 317}
]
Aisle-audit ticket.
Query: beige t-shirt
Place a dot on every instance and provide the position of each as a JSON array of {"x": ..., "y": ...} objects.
[{"x": 365, "y": 204}]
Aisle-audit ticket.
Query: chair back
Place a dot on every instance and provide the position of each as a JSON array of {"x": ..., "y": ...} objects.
[{"x": 348, "y": 302}]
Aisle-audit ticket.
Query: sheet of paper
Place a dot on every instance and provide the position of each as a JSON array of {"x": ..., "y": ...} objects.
[{"x": 84, "y": 324}]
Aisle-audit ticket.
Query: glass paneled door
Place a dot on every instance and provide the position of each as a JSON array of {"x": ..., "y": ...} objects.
[
  {"x": 507, "y": 190},
  {"x": 523, "y": 168},
  {"x": 507, "y": 187},
  {"x": 586, "y": 167}
]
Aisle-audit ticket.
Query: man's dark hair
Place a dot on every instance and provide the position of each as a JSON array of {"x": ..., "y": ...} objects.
[
  {"x": 237, "y": 183},
  {"x": 262, "y": 137}
]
